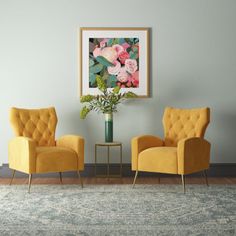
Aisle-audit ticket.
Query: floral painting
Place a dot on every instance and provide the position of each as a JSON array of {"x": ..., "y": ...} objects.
[
  {"x": 116, "y": 60},
  {"x": 119, "y": 56}
]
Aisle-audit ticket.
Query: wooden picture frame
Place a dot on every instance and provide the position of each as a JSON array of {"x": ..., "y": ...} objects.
[{"x": 119, "y": 55}]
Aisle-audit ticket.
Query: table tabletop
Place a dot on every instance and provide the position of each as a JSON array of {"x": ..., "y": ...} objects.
[{"x": 108, "y": 144}]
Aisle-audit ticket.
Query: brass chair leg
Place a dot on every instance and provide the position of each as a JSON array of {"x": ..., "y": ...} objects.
[
  {"x": 206, "y": 179},
  {"x": 60, "y": 177},
  {"x": 136, "y": 174},
  {"x": 13, "y": 175},
  {"x": 30, "y": 179},
  {"x": 183, "y": 182},
  {"x": 81, "y": 181}
]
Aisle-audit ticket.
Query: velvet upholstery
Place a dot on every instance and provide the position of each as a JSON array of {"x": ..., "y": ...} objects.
[
  {"x": 183, "y": 149},
  {"x": 35, "y": 150},
  {"x": 38, "y": 124}
]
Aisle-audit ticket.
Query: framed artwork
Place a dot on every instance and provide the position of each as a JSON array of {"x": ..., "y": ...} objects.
[{"x": 118, "y": 55}]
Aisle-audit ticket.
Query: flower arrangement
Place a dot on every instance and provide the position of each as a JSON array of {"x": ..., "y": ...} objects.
[
  {"x": 106, "y": 102},
  {"x": 116, "y": 60}
]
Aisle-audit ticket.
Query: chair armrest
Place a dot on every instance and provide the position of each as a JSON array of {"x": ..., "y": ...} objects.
[
  {"x": 75, "y": 143},
  {"x": 140, "y": 143},
  {"x": 193, "y": 155},
  {"x": 22, "y": 154}
]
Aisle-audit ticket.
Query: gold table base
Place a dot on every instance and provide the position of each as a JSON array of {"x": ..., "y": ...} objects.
[{"x": 108, "y": 145}]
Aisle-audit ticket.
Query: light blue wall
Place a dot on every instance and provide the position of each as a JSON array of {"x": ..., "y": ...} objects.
[{"x": 193, "y": 64}]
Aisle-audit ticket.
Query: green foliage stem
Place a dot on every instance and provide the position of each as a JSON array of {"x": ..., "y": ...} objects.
[{"x": 107, "y": 102}]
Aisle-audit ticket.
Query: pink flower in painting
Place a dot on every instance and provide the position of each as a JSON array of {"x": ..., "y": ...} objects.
[
  {"x": 123, "y": 56},
  {"x": 129, "y": 84},
  {"x": 97, "y": 52},
  {"x": 103, "y": 43},
  {"x": 114, "y": 70},
  {"x": 125, "y": 46},
  {"x": 131, "y": 65},
  {"x": 109, "y": 53},
  {"x": 135, "y": 79},
  {"x": 119, "y": 49},
  {"x": 123, "y": 76}
]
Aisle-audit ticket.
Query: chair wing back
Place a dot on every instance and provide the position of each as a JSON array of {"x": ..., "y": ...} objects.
[
  {"x": 38, "y": 124},
  {"x": 184, "y": 123}
]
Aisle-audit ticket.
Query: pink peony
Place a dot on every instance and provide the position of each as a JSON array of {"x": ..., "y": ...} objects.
[
  {"x": 125, "y": 46},
  {"x": 97, "y": 52},
  {"x": 123, "y": 56},
  {"x": 123, "y": 76},
  {"x": 109, "y": 53},
  {"x": 114, "y": 70},
  {"x": 131, "y": 65},
  {"x": 119, "y": 49},
  {"x": 135, "y": 79}
]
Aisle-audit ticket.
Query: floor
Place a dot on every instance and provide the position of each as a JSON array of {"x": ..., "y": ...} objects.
[{"x": 124, "y": 180}]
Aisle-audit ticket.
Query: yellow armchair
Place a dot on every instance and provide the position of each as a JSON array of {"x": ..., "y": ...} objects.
[
  {"x": 35, "y": 150},
  {"x": 183, "y": 150}
]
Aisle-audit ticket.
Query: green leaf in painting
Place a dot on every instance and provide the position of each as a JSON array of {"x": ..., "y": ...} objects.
[
  {"x": 115, "y": 41},
  {"x": 95, "y": 41},
  {"x": 121, "y": 41},
  {"x": 127, "y": 40},
  {"x": 135, "y": 49},
  {"x": 105, "y": 76},
  {"x": 104, "y": 61},
  {"x": 136, "y": 40},
  {"x": 92, "y": 79},
  {"x": 91, "y": 62},
  {"x": 132, "y": 55},
  {"x": 111, "y": 82},
  {"x": 109, "y": 42},
  {"x": 96, "y": 69},
  {"x": 129, "y": 49},
  {"x": 131, "y": 40}
]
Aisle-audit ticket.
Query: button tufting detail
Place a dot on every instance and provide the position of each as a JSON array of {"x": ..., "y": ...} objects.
[
  {"x": 39, "y": 124},
  {"x": 182, "y": 123}
]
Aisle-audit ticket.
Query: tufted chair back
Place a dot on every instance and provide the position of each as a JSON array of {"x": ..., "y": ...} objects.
[
  {"x": 184, "y": 123},
  {"x": 38, "y": 124}
]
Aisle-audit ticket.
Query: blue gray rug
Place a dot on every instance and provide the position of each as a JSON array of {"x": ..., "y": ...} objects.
[{"x": 118, "y": 210}]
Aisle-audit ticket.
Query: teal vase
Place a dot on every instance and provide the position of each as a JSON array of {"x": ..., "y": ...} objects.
[{"x": 108, "y": 127}]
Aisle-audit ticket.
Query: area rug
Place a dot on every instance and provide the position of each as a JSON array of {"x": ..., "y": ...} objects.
[{"x": 118, "y": 210}]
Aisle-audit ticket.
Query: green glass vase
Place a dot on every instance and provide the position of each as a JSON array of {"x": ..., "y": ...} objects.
[{"x": 108, "y": 127}]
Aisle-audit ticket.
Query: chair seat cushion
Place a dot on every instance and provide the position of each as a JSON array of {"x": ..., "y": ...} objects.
[
  {"x": 55, "y": 159},
  {"x": 159, "y": 159}
]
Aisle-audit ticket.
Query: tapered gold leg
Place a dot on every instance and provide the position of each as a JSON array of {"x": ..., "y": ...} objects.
[
  {"x": 206, "y": 179},
  {"x": 13, "y": 174},
  {"x": 135, "y": 177},
  {"x": 30, "y": 179},
  {"x": 81, "y": 181},
  {"x": 183, "y": 182},
  {"x": 60, "y": 177}
]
